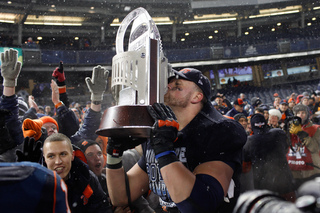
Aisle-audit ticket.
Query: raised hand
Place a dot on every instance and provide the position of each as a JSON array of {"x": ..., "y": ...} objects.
[
  {"x": 98, "y": 83},
  {"x": 58, "y": 73},
  {"x": 10, "y": 67},
  {"x": 31, "y": 151}
]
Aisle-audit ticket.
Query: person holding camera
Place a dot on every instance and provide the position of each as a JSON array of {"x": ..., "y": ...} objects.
[
  {"x": 266, "y": 151},
  {"x": 303, "y": 155}
]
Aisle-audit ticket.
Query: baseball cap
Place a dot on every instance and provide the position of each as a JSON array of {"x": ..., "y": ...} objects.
[
  {"x": 258, "y": 123},
  {"x": 265, "y": 107},
  {"x": 196, "y": 77},
  {"x": 238, "y": 101},
  {"x": 255, "y": 101},
  {"x": 283, "y": 102}
]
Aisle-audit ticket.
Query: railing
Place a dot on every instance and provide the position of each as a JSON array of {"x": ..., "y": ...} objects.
[{"x": 87, "y": 57}]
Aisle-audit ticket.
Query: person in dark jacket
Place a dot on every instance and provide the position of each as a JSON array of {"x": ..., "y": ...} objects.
[
  {"x": 84, "y": 190},
  {"x": 96, "y": 85},
  {"x": 237, "y": 108},
  {"x": 10, "y": 69},
  {"x": 266, "y": 150},
  {"x": 285, "y": 112}
]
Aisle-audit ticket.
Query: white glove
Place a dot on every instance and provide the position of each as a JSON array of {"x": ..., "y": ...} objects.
[
  {"x": 97, "y": 85},
  {"x": 10, "y": 67}
]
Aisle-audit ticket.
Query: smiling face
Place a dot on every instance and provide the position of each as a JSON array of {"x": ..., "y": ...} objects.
[
  {"x": 283, "y": 107},
  {"x": 273, "y": 120},
  {"x": 95, "y": 159},
  {"x": 58, "y": 157}
]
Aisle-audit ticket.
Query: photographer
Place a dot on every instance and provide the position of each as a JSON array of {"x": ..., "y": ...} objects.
[
  {"x": 303, "y": 156},
  {"x": 266, "y": 150}
]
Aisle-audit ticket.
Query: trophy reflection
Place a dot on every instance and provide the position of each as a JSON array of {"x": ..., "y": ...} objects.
[{"x": 139, "y": 78}]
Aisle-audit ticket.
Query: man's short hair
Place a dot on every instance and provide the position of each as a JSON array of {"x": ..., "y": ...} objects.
[
  {"x": 259, "y": 109},
  {"x": 58, "y": 137}
]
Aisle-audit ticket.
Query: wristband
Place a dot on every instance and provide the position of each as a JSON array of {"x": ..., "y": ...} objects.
[
  {"x": 59, "y": 104},
  {"x": 114, "y": 163},
  {"x": 62, "y": 90},
  {"x": 167, "y": 159},
  {"x": 164, "y": 153}
]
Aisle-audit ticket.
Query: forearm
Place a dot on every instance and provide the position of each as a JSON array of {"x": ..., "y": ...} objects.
[
  {"x": 96, "y": 108},
  {"x": 116, "y": 186},
  {"x": 9, "y": 91},
  {"x": 179, "y": 181},
  {"x": 138, "y": 182}
]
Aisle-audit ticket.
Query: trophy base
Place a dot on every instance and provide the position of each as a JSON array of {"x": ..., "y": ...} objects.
[{"x": 126, "y": 121}]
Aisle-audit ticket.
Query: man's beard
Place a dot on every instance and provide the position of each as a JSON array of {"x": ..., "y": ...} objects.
[{"x": 173, "y": 102}]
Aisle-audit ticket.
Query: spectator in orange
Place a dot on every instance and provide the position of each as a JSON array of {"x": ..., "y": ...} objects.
[
  {"x": 50, "y": 124},
  {"x": 293, "y": 97}
]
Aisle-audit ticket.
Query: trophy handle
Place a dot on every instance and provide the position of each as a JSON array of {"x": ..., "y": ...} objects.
[{"x": 142, "y": 27}]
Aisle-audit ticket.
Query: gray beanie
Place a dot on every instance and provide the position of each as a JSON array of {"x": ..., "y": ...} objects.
[{"x": 300, "y": 107}]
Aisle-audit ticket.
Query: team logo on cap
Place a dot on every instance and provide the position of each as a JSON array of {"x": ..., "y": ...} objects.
[
  {"x": 184, "y": 71},
  {"x": 260, "y": 124}
]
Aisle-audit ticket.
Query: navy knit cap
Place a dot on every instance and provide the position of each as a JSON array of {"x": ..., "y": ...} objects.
[
  {"x": 258, "y": 123},
  {"x": 196, "y": 77}
]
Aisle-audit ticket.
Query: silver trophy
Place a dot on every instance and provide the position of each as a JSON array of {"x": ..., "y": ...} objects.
[{"x": 139, "y": 78}]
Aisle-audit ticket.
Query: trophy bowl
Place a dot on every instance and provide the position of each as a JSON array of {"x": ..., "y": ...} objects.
[{"x": 126, "y": 121}]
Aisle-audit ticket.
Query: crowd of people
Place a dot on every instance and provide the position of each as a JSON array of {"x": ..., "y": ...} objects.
[
  {"x": 203, "y": 151},
  {"x": 283, "y": 141}
]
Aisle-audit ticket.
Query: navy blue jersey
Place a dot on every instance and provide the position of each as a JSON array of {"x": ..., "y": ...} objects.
[
  {"x": 208, "y": 137},
  {"x": 29, "y": 187}
]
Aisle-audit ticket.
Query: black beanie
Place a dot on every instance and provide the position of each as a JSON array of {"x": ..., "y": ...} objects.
[
  {"x": 84, "y": 144},
  {"x": 238, "y": 116},
  {"x": 258, "y": 124}
]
